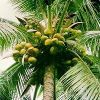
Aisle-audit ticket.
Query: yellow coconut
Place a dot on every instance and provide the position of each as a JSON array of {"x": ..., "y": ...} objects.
[
  {"x": 61, "y": 43},
  {"x": 59, "y": 36},
  {"x": 55, "y": 40},
  {"x": 32, "y": 60},
  {"x": 36, "y": 50},
  {"x": 22, "y": 44},
  {"x": 18, "y": 47},
  {"x": 48, "y": 31},
  {"x": 22, "y": 51},
  {"x": 28, "y": 45},
  {"x": 48, "y": 42},
  {"x": 38, "y": 34}
]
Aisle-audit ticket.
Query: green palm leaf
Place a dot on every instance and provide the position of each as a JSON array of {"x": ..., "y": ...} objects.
[
  {"x": 95, "y": 68},
  {"x": 14, "y": 80},
  {"x": 25, "y": 5},
  {"x": 84, "y": 10},
  {"x": 60, "y": 94},
  {"x": 11, "y": 33},
  {"x": 92, "y": 41},
  {"x": 87, "y": 14},
  {"x": 32, "y": 7},
  {"x": 79, "y": 83}
]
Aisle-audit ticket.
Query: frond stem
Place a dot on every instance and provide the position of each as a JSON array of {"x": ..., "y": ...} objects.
[
  {"x": 42, "y": 10},
  {"x": 62, "y": 17},
  {"x": 49, "y": 26},
  {"x": 55, "y": 84},
  {"x": 35, "y": 93}
]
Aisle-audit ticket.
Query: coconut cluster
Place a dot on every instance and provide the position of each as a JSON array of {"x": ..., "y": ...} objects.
[
  {"x": 25, "y": 52},
  {"x": 53, "y": 42},
  {"x": 54, "y": 45},
  {"x": 30, "y": 24},
  {"x": 71, "y": 33}
]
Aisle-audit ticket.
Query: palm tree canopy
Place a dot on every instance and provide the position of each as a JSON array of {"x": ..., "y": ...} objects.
[{"x": 51, "y": 35}]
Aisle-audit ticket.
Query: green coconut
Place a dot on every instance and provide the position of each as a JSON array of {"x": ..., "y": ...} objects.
[
  {"x": 43, "y": 38},
  {"x": 53, "y": 50},
  {"x": 28, "y": 45}
]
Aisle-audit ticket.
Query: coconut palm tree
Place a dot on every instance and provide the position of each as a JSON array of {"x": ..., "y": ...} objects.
[{"x": 56, "y": 48}]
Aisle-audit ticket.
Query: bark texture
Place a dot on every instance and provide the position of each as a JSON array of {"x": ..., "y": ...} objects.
[{"x": 49, "y": 83}]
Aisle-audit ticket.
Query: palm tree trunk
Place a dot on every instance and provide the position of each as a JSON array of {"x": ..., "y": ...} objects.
[{"x": 49, "y": 83}]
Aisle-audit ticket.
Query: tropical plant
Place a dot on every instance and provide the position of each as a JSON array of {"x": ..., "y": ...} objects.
[{"x": 50, "y": 49}]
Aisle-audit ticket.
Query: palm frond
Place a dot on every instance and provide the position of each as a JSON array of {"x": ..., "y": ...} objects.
[
  {"x": 95, "y": 68},
  {"x": 87, "y": 13},
  {"x": 35, "y": 92},
  {"x": 40, "y": 90},
  {"x": 92, "y": 40},
  {"x": 11, "y": 33},
  {"x": 31, "y": 7},
  {"x": 80, "y": 83},
  {"x": 60, "y": 94},
  {"x": 84, "y": 12},
  {"x": 84, "y": 9},
  {"x": 96, "y": 4},
  {"x": 14, "y": 80},
  {"x": 4, "y": 92},
  {"x": 27, "y": 97},
  {"x": 25, "y": 5}
]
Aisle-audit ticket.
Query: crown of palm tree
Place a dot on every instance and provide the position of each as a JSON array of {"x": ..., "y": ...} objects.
[{"x": 55, "y": 48}]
